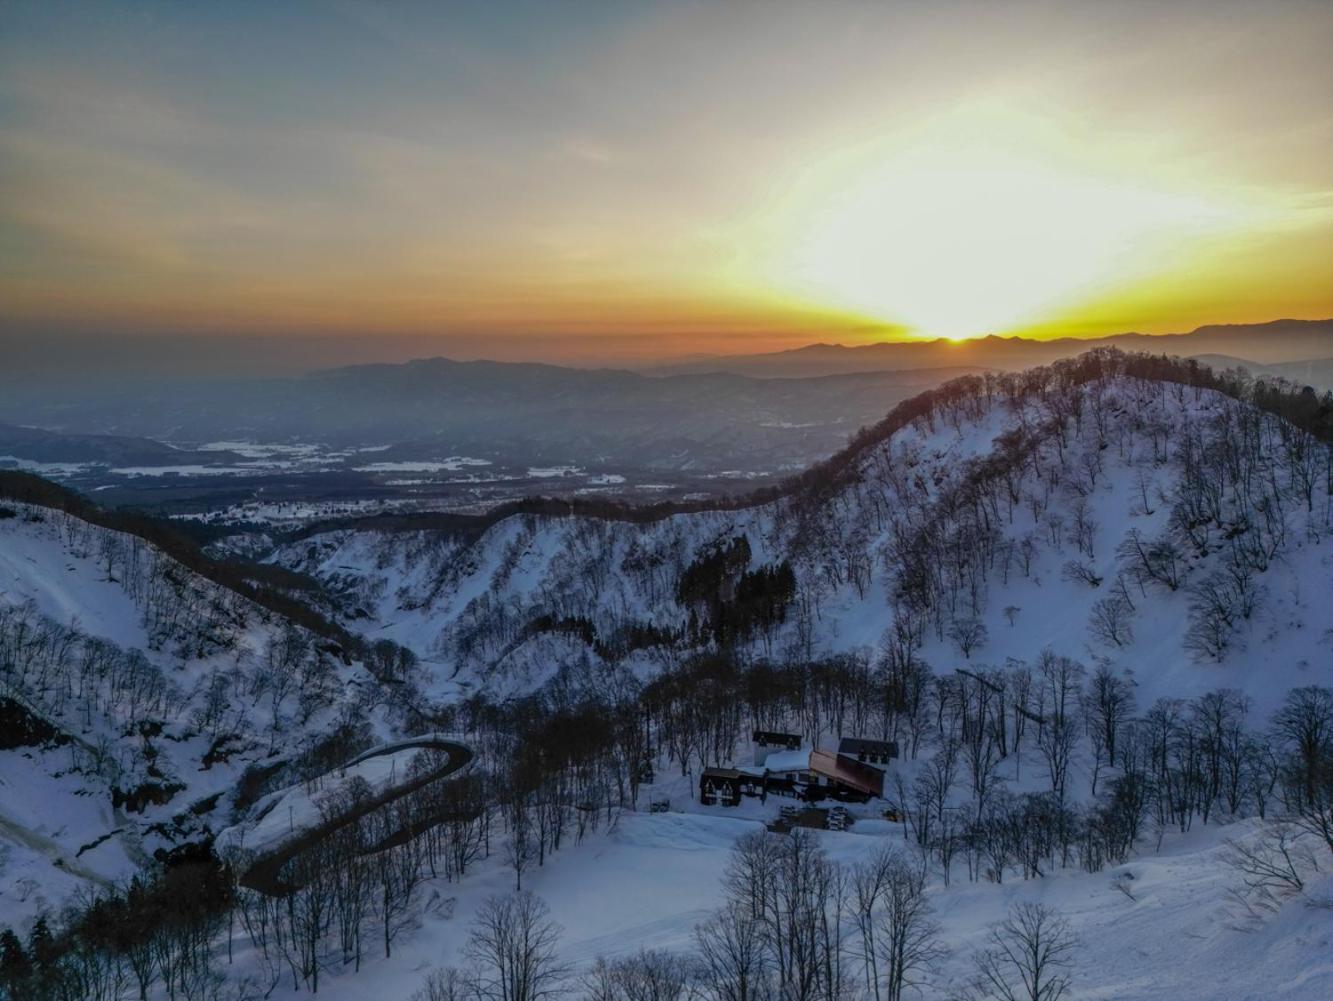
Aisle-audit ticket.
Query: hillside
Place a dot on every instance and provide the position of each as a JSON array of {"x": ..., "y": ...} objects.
[
  {"x": 1003, "y": 494},
  {"x": 1076, "y": 598},
  {"x": 136, "y": 695}
]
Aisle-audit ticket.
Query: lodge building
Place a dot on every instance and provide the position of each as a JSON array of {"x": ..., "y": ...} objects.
[{"x": 783, "y": 768}]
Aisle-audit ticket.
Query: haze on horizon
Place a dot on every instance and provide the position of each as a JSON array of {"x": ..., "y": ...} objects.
[{"x": 569, "y": 181}]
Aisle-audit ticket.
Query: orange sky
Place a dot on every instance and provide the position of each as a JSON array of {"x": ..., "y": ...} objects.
[{"x": 695, "y": 177}]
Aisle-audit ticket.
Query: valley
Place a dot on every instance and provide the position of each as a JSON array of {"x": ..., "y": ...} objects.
[
  {"x": 1087, "y": 604},
  {"x": 747, "y": 501}
]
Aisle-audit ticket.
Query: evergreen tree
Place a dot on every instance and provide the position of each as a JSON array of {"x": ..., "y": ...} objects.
[
  {"x": 42, "y": 944},
  {"x": 14, "y": 964}
]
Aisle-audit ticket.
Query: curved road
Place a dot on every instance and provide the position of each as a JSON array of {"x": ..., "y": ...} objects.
[
  {"x": 51, "y": 850},
  {"x": 263, "y": 872}
]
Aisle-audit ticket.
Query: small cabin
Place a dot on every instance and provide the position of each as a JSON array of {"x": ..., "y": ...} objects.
[
  {"x": 766, "y": 742},
  {"x": 868, "y": 752},
  {"x": 727, "y": 785},
  {"x": 720, "y": 785}
]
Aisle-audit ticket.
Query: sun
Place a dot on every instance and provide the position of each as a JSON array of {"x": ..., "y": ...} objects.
[{"x": 961, "y": 237}]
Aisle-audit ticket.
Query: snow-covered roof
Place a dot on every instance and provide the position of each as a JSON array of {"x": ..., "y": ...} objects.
[{"x": 788, "y": 761}]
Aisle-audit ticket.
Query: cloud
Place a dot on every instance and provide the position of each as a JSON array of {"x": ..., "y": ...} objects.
[{"x": 405, "y": 168}]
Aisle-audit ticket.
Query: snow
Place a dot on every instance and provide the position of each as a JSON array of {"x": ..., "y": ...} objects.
[
  {"x": 260, "y": 450},
  {"x": 654, "y": 877},
  {"x": 286, "y": 813},
  {"x": 788, "y": 761},
  {"x": 46, "y": 468},
  {"x": 59, "y": 830},
  {"x": 48, "y": 817},
  {"x": 650, "y": 879},
  {"x": 1178, "y": 933},
  {"x": 428, "y": 605},
  {"x": 288, "y": 512},
  {"x": 738, "y": 474},
  {"x": 450, "y": 465},
  {"x": 191, "y": 469},
  {"x": 65, "y": 585}
]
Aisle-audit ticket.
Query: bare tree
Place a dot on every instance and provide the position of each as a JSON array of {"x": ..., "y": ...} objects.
[
  {"x": 968, "y": 635},
  {"x": 513, "y": 944},
  {"x": 1028, "y": 958},
  {"x": 445, "y": 984},
  {"x": 647, "y": 976},
  {"x": 1111, "y": 621},
  {"x": 1304, "y": 724},
  {"x": 521, "y": 849},
  {"x": 1108, "y": 705},
  {"x": 796, "y": 896},
  {"x": 1273, "y": 863},
  {"x": 1061, "y": 678},
  {"x": 1159, "y": 563},
  {"x": 907, "y": 940},
  {"x": 733, "y": 963},
  {"x": 1077, "y": 572},
  {"x": 398, "y": 873}
]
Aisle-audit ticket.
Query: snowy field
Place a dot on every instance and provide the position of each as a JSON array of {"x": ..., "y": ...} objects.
[
  {"x": 452, "y": 464},
  {"x": 1175, "y": 934}
]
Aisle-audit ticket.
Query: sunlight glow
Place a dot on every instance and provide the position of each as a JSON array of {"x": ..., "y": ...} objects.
[{"x": 959, "y": 239}]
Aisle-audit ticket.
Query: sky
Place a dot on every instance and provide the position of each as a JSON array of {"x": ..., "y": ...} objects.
[{"x": 564, "y": 179}]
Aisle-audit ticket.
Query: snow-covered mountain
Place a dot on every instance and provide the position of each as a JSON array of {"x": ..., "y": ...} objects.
[
  {"x": 138, "y": 699},
  {"x": 1004, "y": 514},
  {"x": 1164, "y": 527}
]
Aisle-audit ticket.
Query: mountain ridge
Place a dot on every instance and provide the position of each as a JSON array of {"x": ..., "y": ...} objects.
[
  {"x": 1129, "y": 520},
  {"x": 1016, "y": 352},
  {"x": 487, "y": 595}
]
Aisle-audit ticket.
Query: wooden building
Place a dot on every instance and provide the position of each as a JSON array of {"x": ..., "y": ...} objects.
[
  {"x": 846, "y": 777},
  {"x": 727, "y": 785},
  {"x": 783, "y": 768},
  {"x": 766, "y": 742},
  {"x": 869, "y": 752}
]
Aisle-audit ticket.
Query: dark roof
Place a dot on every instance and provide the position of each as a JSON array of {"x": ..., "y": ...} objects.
[
  {"x": 858, "y": 745},
  {"x": 730, "y": 774},
  {"x": 775, "y": 737}
]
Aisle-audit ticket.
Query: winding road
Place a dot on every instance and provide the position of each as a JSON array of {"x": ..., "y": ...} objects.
[
  {"x": 263, "y": 873},
  {"x": 51, "y": 850}
]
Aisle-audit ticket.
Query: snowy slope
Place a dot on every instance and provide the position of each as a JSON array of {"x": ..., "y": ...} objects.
[
  {"x": 647, "y": 884},
  {"x": 465, "y": 607},
  {"x": 64, "y": 582},
  {"x": 157, "y": 684},
  {"x": 970, "y": 514}
]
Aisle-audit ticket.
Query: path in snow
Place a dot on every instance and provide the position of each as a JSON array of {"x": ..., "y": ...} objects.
[{"x": 263, "y": 874}]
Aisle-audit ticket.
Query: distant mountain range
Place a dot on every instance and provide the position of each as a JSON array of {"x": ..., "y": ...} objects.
[
  {"x": 685, "y": 427},
  {"x": 1280, "y": 341},
  {"x": 1315, "y": 372}
]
